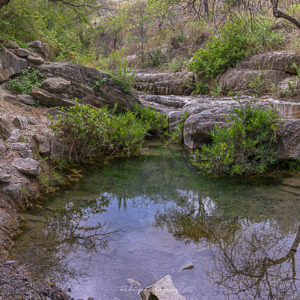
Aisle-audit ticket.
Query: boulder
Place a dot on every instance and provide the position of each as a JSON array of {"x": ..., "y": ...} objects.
[
  {"x": 278, "y": 61},
  {"x": 245, "y": 80},
  {"x": 35, "y": 59},
  {"x": 22, "y": 52},
  {"x": 180, "y": 83},
  {"x": 163, "y": 289},
  {"x": 50, "y": 100},
  {"x": 26, "y": 99},
  {"x": 28, "y": 166},
  {"x": 12, "y": 45},
  {"x": 4, "y": 176},
  {"x": 20, "y": 122},
  {"x": 41, "y": 47},
  {"x": 43, "y": 142},
  {"x": 5, "y": 128},
  {"x": 14, "y": 136},
  {"x": 56, "y": 84},
  {"x": 10, "y": 64},
  {"x": 83, "y": 81}
]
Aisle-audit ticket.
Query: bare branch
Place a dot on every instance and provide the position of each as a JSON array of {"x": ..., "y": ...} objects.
[{"x": 279, "y": 14}]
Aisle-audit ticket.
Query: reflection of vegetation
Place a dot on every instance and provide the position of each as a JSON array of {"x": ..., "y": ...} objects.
[
  {"x": 258, "y": 263},
  {"x": 62, "y": 231},
  {"x": 230, "y": 216}
]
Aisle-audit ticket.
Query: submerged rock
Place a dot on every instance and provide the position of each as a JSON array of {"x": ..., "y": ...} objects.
[{"x": 163, "y": 289}]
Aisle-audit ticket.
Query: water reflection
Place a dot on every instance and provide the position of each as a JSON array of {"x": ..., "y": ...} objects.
[{"x": 143, "y": 217}]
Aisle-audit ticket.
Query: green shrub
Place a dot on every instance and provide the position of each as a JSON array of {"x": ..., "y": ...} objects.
[
  {"x": 243, "y": 147},
  {"x": 176, "y": 136},
  {"x": 88, "y": 132},
  {"x": 155, "y": 121},
  {"x": 236, "y": 40},
  {"x": 28, "y": 80}
]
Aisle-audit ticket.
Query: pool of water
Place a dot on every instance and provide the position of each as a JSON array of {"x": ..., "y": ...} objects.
[{"x": 145, "y": 217}]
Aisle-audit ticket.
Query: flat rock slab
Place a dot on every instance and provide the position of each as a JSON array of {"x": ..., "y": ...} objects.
[
  {"x": 293, "y": 182},
  {"x": 28, "y": 166}
]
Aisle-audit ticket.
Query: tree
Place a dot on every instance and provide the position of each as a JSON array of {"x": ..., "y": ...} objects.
[{"x": 279, "y": 14}]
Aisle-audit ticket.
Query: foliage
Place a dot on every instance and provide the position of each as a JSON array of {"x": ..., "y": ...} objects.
[
  {"x": 257, "y": 84},
  {"x": 63, "y": 27},
  {"x": 235, "y": 41},
  {"x": 243, "y": 147},
  {"x": 26, "y": 82},
  {"x": 177, "y": 65},
  {"x": 155, "y": 58},
  {"x": 88, "y": 132},
  {"x": 155, "y": 121},
  {"x": 176, "y": 136}
]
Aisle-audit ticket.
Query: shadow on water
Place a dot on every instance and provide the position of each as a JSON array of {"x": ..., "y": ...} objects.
[{"x": 147, "y": 216}]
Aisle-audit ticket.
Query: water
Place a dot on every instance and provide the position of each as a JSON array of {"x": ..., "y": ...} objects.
[{"x": 149, "y": 216}]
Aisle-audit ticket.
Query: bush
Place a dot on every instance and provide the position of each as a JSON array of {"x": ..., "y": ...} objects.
[
  {"x": 88, "y": 132},
  {"x": 244, "y": 147},
  {"x": 155, "y": 121},
  {"x": 236, "y": 40},
  {"x": 26, "y": 82}
]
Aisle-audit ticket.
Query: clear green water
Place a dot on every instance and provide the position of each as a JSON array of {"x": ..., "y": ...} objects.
[{"x": 149, "y": 216}]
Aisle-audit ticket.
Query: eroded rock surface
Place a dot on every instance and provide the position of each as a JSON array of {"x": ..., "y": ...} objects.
[
  {"x": 180, "y": 83},
  {"x": 205, "y": 112}
]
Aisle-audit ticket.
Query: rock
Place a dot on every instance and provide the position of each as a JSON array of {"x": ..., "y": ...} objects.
[
  {"x": 5, "y": 128},
  {"x": 50, "y": 100},
  {"x": 293, "y": 182},
  {"x": 278, "y": 61},
  {"x": 133, "y": 282},
  {"x": 133, "y": 60},
  {"x": 13, "y": 190},
  {"x": 2, "y": 147},
  {"x": 26, "y": 99},
  {"x": 35, "y": 59},
  {"x": 187, "y": 266},
  {"x": 41, "y": 47},
  {"x": 180, "y": 83},
  {"x": 32, "y": 121},
  {"x": 14, "y": 136},
  {"x": 289, "y": 87},
  {"x": 4, "y": 176},
  {"x": 20, "y": 122},
  {"x": 244, "y": 80},
  {"x": 43, "y": 142},
  {"x": 26, "y": 153},
  {"x": 12, "y": 45},
  {"x": 10, "y": 262},
  {"x": 56, "y": 148},
  {"x": 28, "y": 166},
  {"x": 56, "y": 84},
  {"x": 22, "y": 52},
  {"x": 19, "y": 146},
  {"x": 82, "y": 85},
  {"x": 163, "y": 289},
  {"x": 10, "y": 64}
]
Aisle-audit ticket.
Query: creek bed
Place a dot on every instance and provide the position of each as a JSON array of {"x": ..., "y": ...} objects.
[{"x": 145, "y": 217}]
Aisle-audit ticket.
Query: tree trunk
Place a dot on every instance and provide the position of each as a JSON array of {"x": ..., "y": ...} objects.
[{"x": 279, "y": 14}]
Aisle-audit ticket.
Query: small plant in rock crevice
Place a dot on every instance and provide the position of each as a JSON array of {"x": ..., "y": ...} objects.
[
  {"x": 244, "y": 147},
  {"x": 176, "y": 136},
  {"x": 26, "y": 82}
]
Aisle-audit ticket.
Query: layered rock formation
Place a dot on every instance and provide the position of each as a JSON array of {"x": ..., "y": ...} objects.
[
  {"x": 205, "y": 112},
  {"x": 180, "y": 83}
]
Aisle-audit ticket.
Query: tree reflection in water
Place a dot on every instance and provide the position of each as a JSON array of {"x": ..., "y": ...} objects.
[
  {"x": 252, "y": 260},
  {"x": 64, "y": 231}
]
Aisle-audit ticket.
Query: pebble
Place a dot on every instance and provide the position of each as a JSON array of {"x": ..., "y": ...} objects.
[{"x": 10, "y": 262}]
